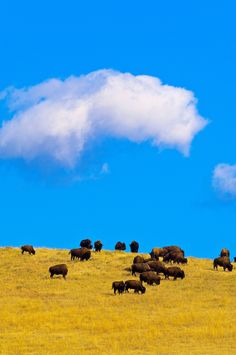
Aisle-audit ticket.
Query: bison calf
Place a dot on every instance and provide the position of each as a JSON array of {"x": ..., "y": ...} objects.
[
  {"x": 118, "y": 286},
  {"x": 60, "y": 269},
  {"x": 134, "y": 285},
  {"x": 28, "y": 248}
]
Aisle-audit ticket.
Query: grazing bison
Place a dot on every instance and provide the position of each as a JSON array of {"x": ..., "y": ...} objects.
[
  {"x": 86, "y": 243},
  {"x": 138, "y": 259},
  {"x": 176, "y": 257},
  {"x": 134, "y": 285},
  {"x": 225, "y": 252},
  {"x": 80, "y": 253},
  {"x": 60, "y": 269},
  {"x": 28, "y": 248},
  {"x": 150, "y": 277},
  {"x": 98, "y": 245},
  {"x": 120, "y": 246},
  {"x": 224, "y": 262},
  {"x": 134, "y": 246},
  {"x": 139, "y": 267},
  {"x": 175, "y": 272},
  {"x": 118, "y": 286},
  {"x": 157, "y": 266}
]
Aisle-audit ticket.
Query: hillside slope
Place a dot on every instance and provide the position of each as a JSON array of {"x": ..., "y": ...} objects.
[{"x": 82, "y": 316}]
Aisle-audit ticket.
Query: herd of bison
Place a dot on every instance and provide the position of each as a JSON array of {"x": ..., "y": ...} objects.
[{"x": 149, "y": 270}]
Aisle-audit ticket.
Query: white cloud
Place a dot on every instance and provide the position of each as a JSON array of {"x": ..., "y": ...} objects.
[
  {"x": 224, "y": 179},
  {"x": 58, "y": 119}
]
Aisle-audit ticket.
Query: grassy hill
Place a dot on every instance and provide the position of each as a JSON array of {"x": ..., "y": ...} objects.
[{"x": 82, "y": 316}]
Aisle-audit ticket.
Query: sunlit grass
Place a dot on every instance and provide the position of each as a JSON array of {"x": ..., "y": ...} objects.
[{"x": 82, "y": 316}]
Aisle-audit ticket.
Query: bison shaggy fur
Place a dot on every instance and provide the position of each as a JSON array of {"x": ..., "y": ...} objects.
[
  {"x": 224, "y": 262},
  {"x": 27, "y": 248},
  {"x": 134, "y": 285},
  {"x": 60, "y": 269},
  {"x": 175, "y": 272},
  {"x": 150, "y": 277},
  {"x": 118, "y": 286}
]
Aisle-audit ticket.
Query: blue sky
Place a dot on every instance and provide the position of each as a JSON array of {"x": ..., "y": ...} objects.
[{"x": 119, "y": 189}]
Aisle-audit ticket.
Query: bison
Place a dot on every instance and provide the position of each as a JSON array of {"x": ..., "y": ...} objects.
[
  {"x": 80, "y": 253},
  {"x": 134, "y": 246},
  {"x": 28, "y": 248},
  {"x": 138, "y": 259},
  {"x": 86, "y": 243},
  {"x": 150, "y": 277},
  {"x": 60, "y": 269},
  {"x": 157, "y": 252},
  {"x": 134, "y": 285},
  {"x": 176, "y": 257},
  {"x": 225, "y": 252},
  {"x": 120, "y": 246},
  {"x": 98, "y": 245},
  {"x": 157, "y": 266},
  {"x": 175, "y": 272},
  {"x": 174, "y": 249},
  {"x": 224, "y": 262},
  {"x": 118, "y": 286},
  {"x": 139, "y": 267}
]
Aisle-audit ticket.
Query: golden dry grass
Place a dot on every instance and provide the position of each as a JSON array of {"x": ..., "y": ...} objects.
[{"x": 82, "y": 316}]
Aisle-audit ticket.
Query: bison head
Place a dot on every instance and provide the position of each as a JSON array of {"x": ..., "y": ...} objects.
[
  {"x": 230, "y": 267},
  {"x": 182, "y": 275}
]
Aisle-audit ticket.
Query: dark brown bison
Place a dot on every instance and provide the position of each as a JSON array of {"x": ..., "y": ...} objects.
[
  {"x": 118, "y": 286},
  {"x": 235, "y": 259},
  {"x": 157, "y": 266},
  {"x": 86, "y": 243},
  {"x": 134, "y": 285},
  {"x": 60, "y": 269},
  {"x": 175, "y": 272},
  {"x": 120, "y": 246},
  {"x": 138, "y": 259},
  {"x": 176, "y": 257},
  {"x": 150, "y": 277},
  {"x": 225, "y": 252},
  {"x": 28, "y": 248},
  {"x": 139, "y": 267},
  {"x": 174, "y": 249},
  {"x": 224, "y": 262},
  {"x": 134, "y": 246},
  {"x": 98, "y": 245},
  {"x": 80, "y": 253}
]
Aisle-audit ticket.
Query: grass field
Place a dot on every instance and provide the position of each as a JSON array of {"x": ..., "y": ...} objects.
[{"x": 81, "y": 315}]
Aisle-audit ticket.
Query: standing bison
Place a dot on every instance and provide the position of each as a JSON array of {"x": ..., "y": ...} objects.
[
  {"x": 27, "y": 248},
  {"x": 60, "y": 269},
  {"x": 134, "y": 246},
  {"x": 80, "y": 253},
  {"x": 175, "y": 272},
  {"x": 86, "y": 243},
  {"x": 134, "y": 285},
  {"x": 98, "y": 245},
  {"x": 120, "y": 246},
  {"x": 150, "y": 277},
  {"x": 118, "y": 286},
  {"x": 224, "y": 262},
  {"x": 139, "y": 267}
]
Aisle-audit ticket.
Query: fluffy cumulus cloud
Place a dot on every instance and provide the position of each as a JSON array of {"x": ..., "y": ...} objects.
[
  {"x": 59, "y": 119},
  {"x": 224, "y": 179}
]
